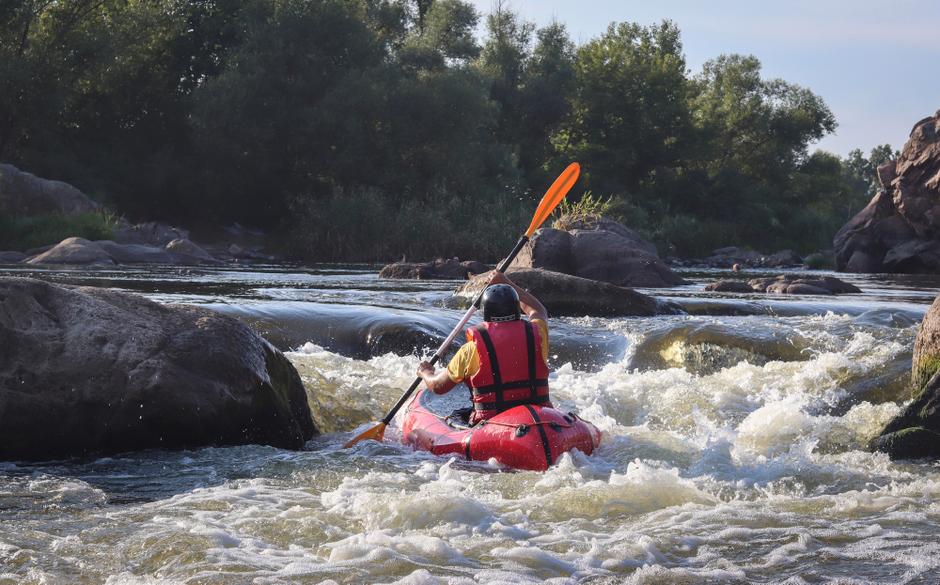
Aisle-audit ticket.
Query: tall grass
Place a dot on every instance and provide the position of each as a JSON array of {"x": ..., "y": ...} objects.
[{"x": 24, "y": 233}]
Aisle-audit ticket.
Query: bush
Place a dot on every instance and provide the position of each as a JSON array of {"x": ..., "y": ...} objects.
[{"x": 24, "y": 233}]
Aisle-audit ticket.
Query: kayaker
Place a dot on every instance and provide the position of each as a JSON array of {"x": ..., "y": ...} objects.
[{"x": 505, "y": 359}]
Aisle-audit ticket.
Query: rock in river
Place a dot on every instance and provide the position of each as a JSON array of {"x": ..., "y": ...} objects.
[
  {"x": 915, "y": 432},
  {"x": 451, "y": 269},
  {"x": 563, "y": 294},
  {"x": 597, "y": 248},
  {"x": 85, "y": 370}
]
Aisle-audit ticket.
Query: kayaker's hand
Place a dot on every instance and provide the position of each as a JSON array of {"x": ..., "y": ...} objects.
[
  {"x": 425, "y": 369},
  {"x": 499, "y": 278}
]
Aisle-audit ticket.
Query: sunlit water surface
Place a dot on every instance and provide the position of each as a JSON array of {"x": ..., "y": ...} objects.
[{"x": 733, "y": 452}]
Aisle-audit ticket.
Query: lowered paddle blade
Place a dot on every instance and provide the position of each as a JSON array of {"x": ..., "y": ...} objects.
[
  {"x": 553, "y": 196},
  {"x": 376, "y": 433}
]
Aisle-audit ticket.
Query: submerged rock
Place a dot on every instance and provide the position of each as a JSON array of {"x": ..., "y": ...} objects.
[
  {"x": 563, "y": 294},
  {"x": 451, "y": 269},
  {"x": 915, "y": 432},
  {"x": 598, "y": 249},
  {"x": 789, "y": 284},
  {"x": 85, "y": 370},
  {"x": 794, "y": 284}
]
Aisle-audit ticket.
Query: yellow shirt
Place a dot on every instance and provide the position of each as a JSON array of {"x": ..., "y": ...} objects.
[{"x": 467, "y": 361}]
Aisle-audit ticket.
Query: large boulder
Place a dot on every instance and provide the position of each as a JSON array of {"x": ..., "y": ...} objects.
[
  {"x": 563, "y": 294},
  {"x": 74, "y": 251},
  {"x": 915, "y": 432},
  {"x": 22, "y": 193},
  {"x": 598, "y": 249},
  {"x": 899, "y": 229},
  {"x": 452, "y": 269},
  {"x": 85, "y": 370}
]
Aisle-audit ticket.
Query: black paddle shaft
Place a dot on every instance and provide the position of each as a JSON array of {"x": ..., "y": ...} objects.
[{"x": 437, "y": 356}]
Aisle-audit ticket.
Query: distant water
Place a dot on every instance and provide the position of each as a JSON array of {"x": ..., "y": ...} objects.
[{"x": 733, "y": 452}]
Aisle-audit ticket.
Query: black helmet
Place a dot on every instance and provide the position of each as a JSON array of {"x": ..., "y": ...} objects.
[{"x": 500, "y": 303}]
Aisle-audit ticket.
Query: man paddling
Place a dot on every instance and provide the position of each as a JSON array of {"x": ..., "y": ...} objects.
[{"x": 505, "y": 359}]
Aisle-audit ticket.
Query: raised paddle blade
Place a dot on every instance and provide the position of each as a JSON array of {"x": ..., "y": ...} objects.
[
  {"x": 553, "y": 196},
  {"x": 376, "y": 433}
]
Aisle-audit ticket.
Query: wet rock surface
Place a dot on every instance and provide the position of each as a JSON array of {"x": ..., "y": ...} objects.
[
  {"x": 915, "y": 432},
  {"x": 792, "y": 284},
  {"x": 563, "y": 294},
  {"x": 87, "y": 370},
  {"x": 899, "y": 229},
  {"x": 451, "y": 269}
]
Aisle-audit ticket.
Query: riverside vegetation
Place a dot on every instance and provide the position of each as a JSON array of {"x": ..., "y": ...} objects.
[{"x": 368, "y": 129}]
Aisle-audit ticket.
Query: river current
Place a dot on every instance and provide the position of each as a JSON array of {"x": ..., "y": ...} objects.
[{"x": 733, "y": 452}]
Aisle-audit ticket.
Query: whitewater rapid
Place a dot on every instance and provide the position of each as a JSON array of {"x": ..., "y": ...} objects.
[{"x": 733, "y": 452}]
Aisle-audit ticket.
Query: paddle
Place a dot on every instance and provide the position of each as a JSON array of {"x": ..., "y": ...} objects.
[{"x": 549, "y": 202}]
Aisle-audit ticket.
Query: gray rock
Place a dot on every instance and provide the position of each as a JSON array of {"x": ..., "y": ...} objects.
[
  {"x": 138, "y": 253},
  {"x": 452, "y": 269},
  {"x": 192, "y": 253},
  {"x": 598, "y": 249},
  {"x": 795, "y": 284},
  {"x": 733, "y": 286},
  {"x": 87, "y": 370},
  {"x": 74, "y": 251},
  {"x": 23, "y": 193},
  {"x": 11, "y": 257},
  {"x": 563, "y": 294}
]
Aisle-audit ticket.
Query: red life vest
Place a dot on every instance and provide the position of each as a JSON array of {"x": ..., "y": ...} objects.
[{"x": 512, "y": 370}]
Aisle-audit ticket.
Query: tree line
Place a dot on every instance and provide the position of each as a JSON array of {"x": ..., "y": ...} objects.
[{"x": 368, "y": 129}]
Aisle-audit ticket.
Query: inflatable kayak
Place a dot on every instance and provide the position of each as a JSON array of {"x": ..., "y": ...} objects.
[{"x": 523, "y": 437}]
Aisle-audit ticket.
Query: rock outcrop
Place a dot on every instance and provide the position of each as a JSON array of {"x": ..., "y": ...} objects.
[
  {"x": 915, "y": 432},
  {"x": 107, "y": 252},
  {"x": 151, "y": 233},
  {"x": 790, "y": 284},
  {"x": 22, "y": 193},
  {"x": 598, "y": 249},
  {"x": 452, "y": 269},
  {"x": 74, "y": 251},
  {"x": 899, "y": 229},
  {"x": 563, "y": 294},
  {"x": 85, "y": 370}
]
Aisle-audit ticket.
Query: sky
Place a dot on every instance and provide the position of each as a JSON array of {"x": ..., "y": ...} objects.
[{"x": 875, "y": 63}]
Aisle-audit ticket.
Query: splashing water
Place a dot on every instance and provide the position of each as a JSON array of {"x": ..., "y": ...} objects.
[{"x": 733, "y": 451}]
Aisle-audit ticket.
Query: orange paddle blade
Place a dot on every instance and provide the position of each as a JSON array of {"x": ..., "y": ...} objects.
[
  {"x": 554, "y": 195},
  {"x": 376, "y": 433}
]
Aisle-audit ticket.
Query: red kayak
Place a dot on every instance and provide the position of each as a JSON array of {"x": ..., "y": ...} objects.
[{"x": 524, "y": 437}]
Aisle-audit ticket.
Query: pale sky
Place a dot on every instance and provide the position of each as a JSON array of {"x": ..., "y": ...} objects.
[{"x": 875, "y": 63}]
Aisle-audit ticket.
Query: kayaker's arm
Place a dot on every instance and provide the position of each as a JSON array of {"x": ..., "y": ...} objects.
[
  {"x": 439, "y": 382},
  {"x": 530, "y": 305}
]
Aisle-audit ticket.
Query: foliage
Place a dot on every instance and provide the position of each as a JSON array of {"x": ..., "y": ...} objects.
[
  {"x": 24, "y": 233},
  {"x": 586, "y": 208},
  {"x": 368, "y": 129}
]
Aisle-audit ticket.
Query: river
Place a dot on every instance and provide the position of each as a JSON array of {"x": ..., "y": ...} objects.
[{"x": 733, "y": 451}]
